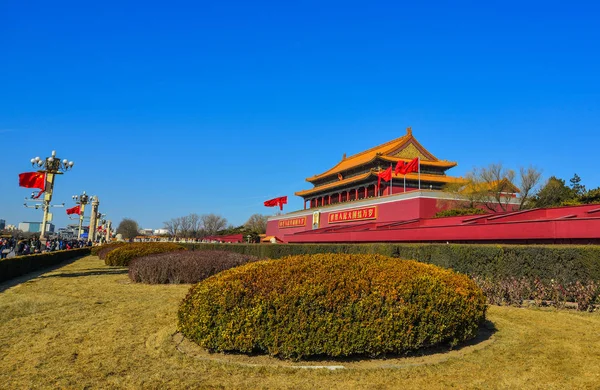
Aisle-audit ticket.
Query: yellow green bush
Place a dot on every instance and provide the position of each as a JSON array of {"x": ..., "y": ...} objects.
[
  {"x": 122, "y": 255},
  {"x": 103, "y": 250},
  {"x": 332, "y": 305}
]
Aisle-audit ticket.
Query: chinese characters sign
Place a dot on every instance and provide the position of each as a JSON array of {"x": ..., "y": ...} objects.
[
  {"x": 362, "y": 214},
  {"x": 291, "y": 223}
]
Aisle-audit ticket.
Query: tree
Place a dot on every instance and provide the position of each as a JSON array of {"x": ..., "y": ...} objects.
[
  {"x": 195, "y": 223},
  {"x": 186, "y": 226},
  {"x": 128, "y": 228},
  {"x": 212, "y": 223},
  {"x": 553, "y": 193},
  {"x": 173, "y": 226},
  {"x": 493, "y": 187},
  {"x": 591, "y": 196},
  {"x": 257, "y": 223},
  {"x": 576, "y": 186},
  {"x": 530, "y": 178}
]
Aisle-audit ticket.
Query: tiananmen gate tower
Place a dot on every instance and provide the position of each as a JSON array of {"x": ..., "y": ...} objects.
[{"x": 349, "y": 203}]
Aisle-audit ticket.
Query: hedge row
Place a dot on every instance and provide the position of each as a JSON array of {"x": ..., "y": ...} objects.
[
  {"x": 332, "y": 305},
  {"x": 183, "y": 266},
  {"x": 584, "y": 296},
  {"x": 565, "y": 263},
  {"x": 21, "y": 265},
  {"x": 122, "y": 256}
]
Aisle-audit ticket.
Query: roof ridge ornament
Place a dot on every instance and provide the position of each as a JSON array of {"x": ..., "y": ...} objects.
[
  {"x": 344, "y": 156},
  {"x": 409, "y": 130}
]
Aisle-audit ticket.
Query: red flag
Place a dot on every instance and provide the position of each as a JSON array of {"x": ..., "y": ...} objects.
[
  {"x": 33, "y": 180},
  {"x": 405, "y": 168},
  {"x": 412, "y": 166},
  {"x": 74, "y": 210},
  {"x": 276, "y": 202},
  {"x": 384, "y": 175},
  {"x": 400, "y": 166}
]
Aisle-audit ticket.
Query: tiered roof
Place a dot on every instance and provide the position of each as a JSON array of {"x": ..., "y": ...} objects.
[{"x": 404, "y": 149}]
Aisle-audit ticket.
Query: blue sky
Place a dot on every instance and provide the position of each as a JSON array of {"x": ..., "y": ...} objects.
[{"x": 213, "y": 107}]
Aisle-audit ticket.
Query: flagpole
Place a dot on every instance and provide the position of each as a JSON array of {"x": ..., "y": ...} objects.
[
  {"x": 391, "y": 180},
  {"x": 419, "y": 162}
]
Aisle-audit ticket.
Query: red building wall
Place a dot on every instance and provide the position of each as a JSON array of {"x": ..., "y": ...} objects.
[
  {"x": 409, "y": 220},
  {"x": 388, "y": 210}
]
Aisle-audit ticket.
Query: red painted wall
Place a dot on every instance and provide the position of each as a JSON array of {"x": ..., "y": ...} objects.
[
  {"x": 410, "y": 220},
  {"x": 387, "y": 211}
]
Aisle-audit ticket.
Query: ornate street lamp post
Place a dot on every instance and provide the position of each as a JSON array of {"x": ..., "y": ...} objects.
[
  {"x": 51, "y": 166},
  {"x": 81, "y": 200}
]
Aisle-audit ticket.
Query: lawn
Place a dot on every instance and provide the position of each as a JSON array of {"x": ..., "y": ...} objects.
[{"x": 84, "y": 325}]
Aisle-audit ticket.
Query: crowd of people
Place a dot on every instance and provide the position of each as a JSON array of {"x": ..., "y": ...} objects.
[{"x": 18, "y": 247}]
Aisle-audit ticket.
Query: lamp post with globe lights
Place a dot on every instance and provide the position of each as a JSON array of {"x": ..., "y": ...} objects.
[
  {"x": 81, "y": 200},
  {"x": 51, "y": 166}
]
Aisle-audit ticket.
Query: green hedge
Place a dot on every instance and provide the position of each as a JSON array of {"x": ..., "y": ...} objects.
[
  {"x": 105, "y": 249},
  {"x": 566, "y": 263},
  {"x": 332, "y": 305},
  {"x": 122, "y": 255},
  {"x": 456, "y": 212},
  {"x": 21, "y": 265}
]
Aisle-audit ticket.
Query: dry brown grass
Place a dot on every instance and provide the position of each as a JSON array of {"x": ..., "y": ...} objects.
[{"x": 85, "y": 326}]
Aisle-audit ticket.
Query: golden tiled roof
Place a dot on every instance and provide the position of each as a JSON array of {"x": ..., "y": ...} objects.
[
  {"x": 404, "y": 148},
  {"x": 338, "y": 183},
  {"x": 396, "y": 178}
]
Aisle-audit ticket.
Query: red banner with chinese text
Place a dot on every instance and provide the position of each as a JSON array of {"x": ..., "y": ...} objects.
[
  {"x": 291, "y": 223},
  {"x": 361, "y": 214}
]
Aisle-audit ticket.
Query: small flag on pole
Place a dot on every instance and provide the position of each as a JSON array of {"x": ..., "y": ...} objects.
[
  {"x": 33, "y": 180},
  {"x": 276, "y": 202},
  {"x": 74, "y": 210}
]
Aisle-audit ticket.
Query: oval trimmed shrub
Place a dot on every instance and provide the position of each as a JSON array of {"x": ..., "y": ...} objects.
[
  {"x": 183, "y": 266},
  {"x": 332, "y": 305},
  {"x": 103, "y": 250},
  {"x": 122, "y": 255}
]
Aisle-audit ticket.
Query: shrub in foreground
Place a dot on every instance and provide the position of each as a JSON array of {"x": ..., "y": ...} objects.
[
  {"x": 183, "y": 266},
  {"x": 332, "y": 305},
  {"x": 123, "y": 255},
  {"x": 103, "y": 250}
]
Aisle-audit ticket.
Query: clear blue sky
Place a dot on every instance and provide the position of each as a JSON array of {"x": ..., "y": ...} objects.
[{"x": 181, "y": 107}]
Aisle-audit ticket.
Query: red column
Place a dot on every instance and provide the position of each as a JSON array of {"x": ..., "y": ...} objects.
[
  {"x": 329, "y": 199},
  {"x": 356, "y": 194},
  {"x": 340, "y": 197}
]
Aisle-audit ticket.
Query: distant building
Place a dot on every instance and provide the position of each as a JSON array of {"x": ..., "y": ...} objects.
[
  {"x": 160, "y": 232},
  {"x": 146, "y": 232},
  {"x": 10, "y": 228},
  {"x": 35, "y": 227},
  {"x": 70, "y": 232},
  {"x": 2, "y": 224}
]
